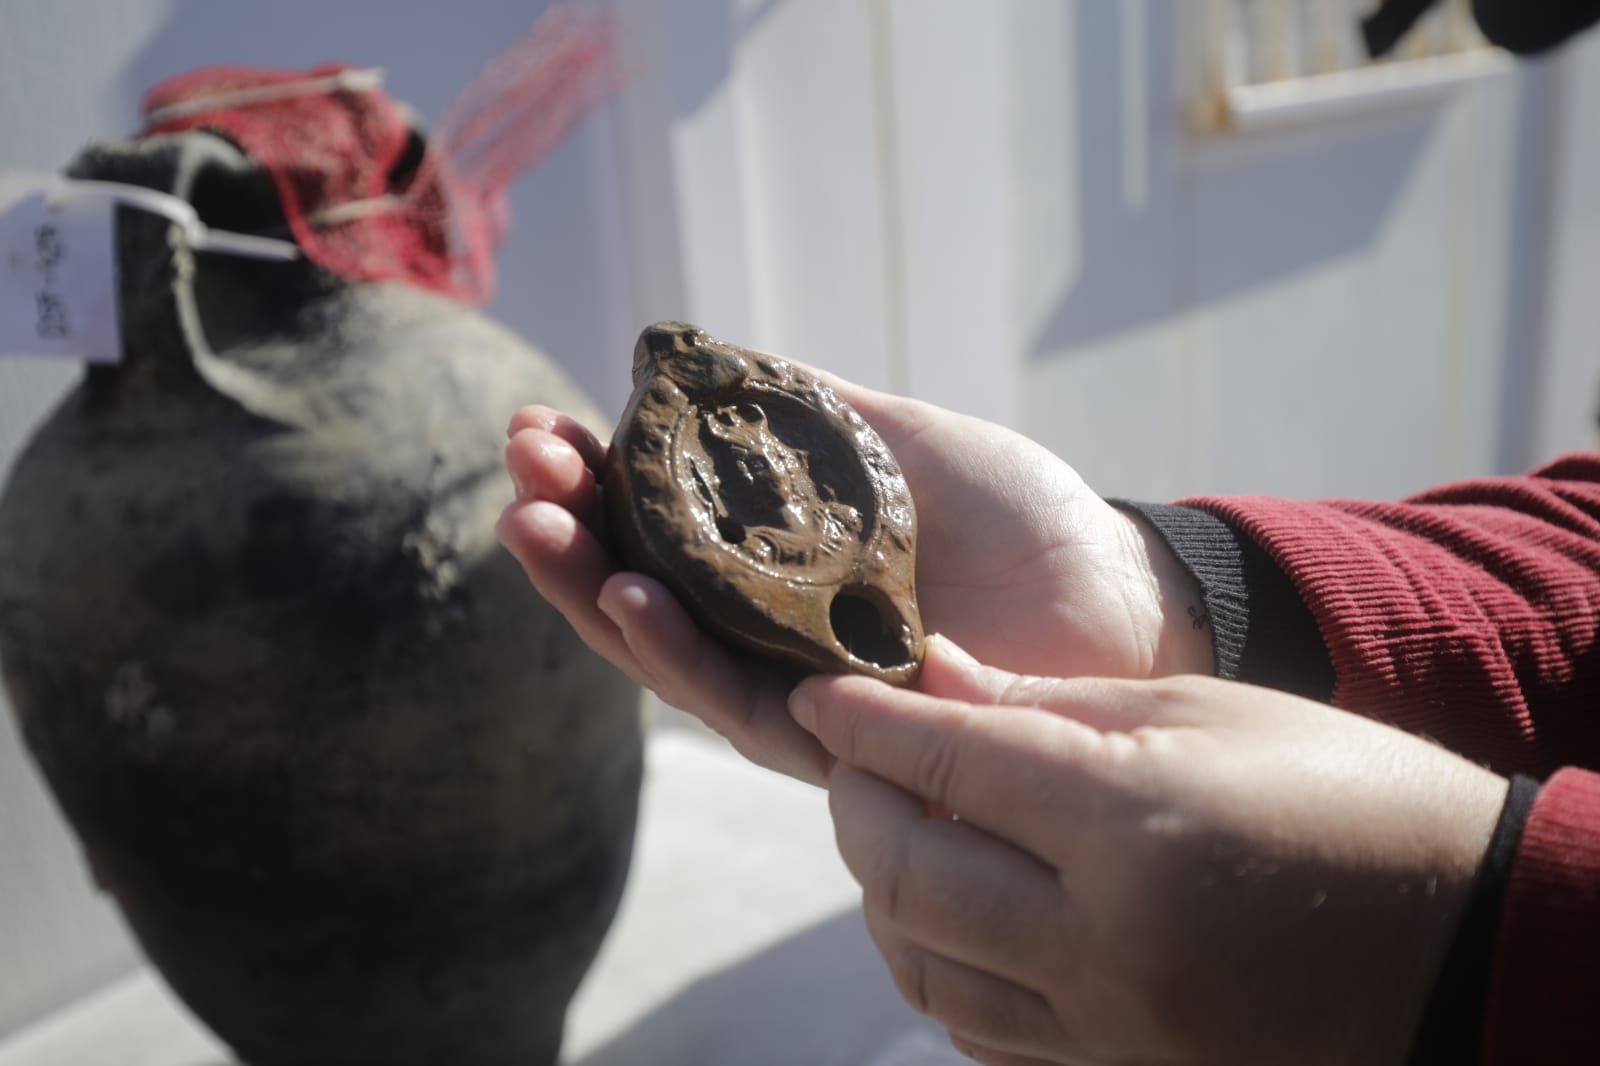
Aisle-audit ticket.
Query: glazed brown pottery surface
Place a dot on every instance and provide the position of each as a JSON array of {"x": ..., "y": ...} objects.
[{"x": 767, "y": 505}]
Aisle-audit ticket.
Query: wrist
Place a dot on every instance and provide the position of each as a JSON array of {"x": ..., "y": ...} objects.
[
  {"x": 1460, "y": 989},
  {"x": 1183, "y": 642}
]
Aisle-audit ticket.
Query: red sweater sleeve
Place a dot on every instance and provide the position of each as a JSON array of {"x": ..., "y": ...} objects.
[
  {"x": 1471, "y": 614},
  {"x": 1546, "y": 982}
]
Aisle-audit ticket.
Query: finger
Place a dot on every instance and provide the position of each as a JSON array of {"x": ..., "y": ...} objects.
[
  {"x": 988, "y": 1056},
  {"x": 1108, "y": 705},
  {"x": 945, "y": 885},
  {"x": 569, "y": 429},
  {"x": 544, "y": 466},
  {"x": 950, "y": 672},
  {"x": 699, "y": 675},
  {"x": 976, "y": 1006},
  {"x": 568, "y": 567},
  {"x": 1011, "y": 771}
]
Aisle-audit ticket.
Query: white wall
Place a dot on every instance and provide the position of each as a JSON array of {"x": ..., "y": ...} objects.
[
  {"x": 1295, "y": 312},
  {"x": 57, "y": 939},
  {"x": 1000, "y": 207},
  {"x": 765, "y": 156},
  {"x": 991, "y": 206},
  {"x": 1329, "y": 310},
  {"x": 1565, "y": 400}
]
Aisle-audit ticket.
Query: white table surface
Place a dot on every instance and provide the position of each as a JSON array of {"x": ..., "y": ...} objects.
[{"x": 739, "y": 942}]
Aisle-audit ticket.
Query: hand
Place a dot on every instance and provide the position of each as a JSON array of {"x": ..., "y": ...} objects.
[
  {"x": 1016, "y": 559},
  {"x": 1177, "y": 871}
]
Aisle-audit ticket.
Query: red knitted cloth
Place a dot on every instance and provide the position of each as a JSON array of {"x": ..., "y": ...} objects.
[
  {"x": 333, "y": 153},
  {"x": 1547, "y": 957},
  {"x": 1471, "y": 614}
]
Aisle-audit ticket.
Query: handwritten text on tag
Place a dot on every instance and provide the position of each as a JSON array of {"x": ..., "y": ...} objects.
[{"x": 58, "y": 277}]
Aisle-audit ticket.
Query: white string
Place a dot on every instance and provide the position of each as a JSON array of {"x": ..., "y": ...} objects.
[
  {"x": 364, "y": 79},
  {"x": 196, "y": 234},
  {"x": 351, "y": 210}
]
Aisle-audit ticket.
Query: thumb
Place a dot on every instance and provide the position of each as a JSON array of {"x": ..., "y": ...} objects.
[
  {"x": 950, "y": 672},
  {"x": 1105, "y": 704}
]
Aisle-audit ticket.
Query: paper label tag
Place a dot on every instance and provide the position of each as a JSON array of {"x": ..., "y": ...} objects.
[{"x": 58, "y": 272}]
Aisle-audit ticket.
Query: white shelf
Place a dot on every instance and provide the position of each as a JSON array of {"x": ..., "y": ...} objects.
[{"x": 1297, "y": 102}]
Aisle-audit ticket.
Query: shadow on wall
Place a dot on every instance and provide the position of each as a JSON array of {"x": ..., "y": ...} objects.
[
  {"x": 1218, "y": 219},
  {"x": 704, "y": 35},
  {"x": 821, "y": 998}
]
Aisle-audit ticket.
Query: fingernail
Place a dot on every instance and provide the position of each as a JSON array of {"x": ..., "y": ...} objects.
[
  {"x": 608, "y": 607},
  {"x": 803, "y": 707},
  {"x": 522, "y": 490},
  {"x": 949, "y": 649}
]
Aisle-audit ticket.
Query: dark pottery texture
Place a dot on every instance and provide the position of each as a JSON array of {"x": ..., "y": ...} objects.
[
  {"x": 362, "y": 795},
  {"x": 767, "y": 505}
]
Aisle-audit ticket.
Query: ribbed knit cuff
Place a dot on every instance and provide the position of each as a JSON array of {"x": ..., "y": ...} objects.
[
  {"x": 1546, "y": 986},
  {"x": 1209, "y": 550},
  {"x": 1261, "y": 630},
  {"x": 1401, "y": 618}
]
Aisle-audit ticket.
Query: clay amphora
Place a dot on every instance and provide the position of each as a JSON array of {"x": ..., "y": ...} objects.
[{"x": 363, "y": 797}]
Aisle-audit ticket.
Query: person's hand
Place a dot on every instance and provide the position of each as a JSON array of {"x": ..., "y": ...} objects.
[
  {"x": 1016, "y": 559},
  {"x": 1178, "y": 871}
]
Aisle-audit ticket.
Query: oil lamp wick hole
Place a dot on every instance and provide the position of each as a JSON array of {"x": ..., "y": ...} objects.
[{"x": 869, "y": 629}]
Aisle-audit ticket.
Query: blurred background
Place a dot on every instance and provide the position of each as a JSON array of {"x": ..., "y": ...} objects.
[{"x": 1191, "y": 247}]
